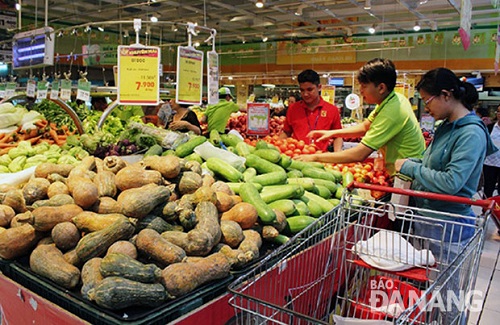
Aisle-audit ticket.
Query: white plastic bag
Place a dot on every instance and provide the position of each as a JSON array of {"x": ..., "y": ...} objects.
[
  {"x": 207, "y": 150},
  {"x": 399, "y": 199}
]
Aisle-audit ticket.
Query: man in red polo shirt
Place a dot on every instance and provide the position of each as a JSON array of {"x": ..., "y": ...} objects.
[{"x": 311, "y": 113}]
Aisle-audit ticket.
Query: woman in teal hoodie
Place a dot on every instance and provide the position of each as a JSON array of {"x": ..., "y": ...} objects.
[{"x": 452, "y": 162}]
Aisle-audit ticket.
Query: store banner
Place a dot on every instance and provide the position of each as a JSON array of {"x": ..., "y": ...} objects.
[
  {"x": 138, "y": 75},
  {"x": 257, "y": 118},
  {"x": 99, "y": 54},
  {"x": 319, "y": 51},
  {"x": 213, "y": 77},
  {"x": 189, "y": 84}
]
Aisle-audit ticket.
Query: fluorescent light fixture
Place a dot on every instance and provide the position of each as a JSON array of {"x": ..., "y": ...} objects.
[
  {"x": 259, "y": 3},
  {"x": 31, "y": 48},
  {"x": 153, "y": 19},
  {"x": 416, "y": 27},
  {"x": 33, "y": 56},
  {"x": 368, "y": 5},
  {"x": 18, "y": 6},
  {"x": 268, "y": 85},
  {"x": 101, "y": 29},
  {"x": 196, "y": 44},
  {"x": 372, "y": 29},
  {"x": 230, "y": 77},
  {"x": 264, "y": 38}
]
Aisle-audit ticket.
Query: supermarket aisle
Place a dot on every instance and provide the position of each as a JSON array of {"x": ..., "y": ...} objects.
[{"x": 488, "y": 280}]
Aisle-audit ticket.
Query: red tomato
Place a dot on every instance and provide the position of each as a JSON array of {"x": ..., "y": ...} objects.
[
  {"x": 301, "y": 144},
  {"x": 283, "y": 148},
  {"x": 368, "y": 167},
  {"x": 288, "y": 153},
  {"x": 312, "y": 149},
  {"x": 297, "y": 151},
  {"x": 291, "y": 146},
  {"x": 305, "y": 151}
]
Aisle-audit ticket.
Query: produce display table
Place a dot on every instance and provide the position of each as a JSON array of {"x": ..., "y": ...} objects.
[{"x": 19, "y": 305}]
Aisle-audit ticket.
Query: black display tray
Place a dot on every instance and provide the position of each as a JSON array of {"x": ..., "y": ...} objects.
[
  {"x": 72, "y": 300},
  {"x": 5, "y": 267}
]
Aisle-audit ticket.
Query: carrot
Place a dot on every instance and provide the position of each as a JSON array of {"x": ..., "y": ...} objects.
[
  {"x": 55, "y": 136},
  {"x": 6, "y": 139},
  {"x": 2, "y": 135},
  {"x": 34, "y": 139},
  {"x": 41, "y": 123},
  {"x": 4, "y": 151},
  {"x": 8, "y": 145}
]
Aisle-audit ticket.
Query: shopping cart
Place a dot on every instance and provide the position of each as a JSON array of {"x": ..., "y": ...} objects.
[{"x": 355, "y": 264}]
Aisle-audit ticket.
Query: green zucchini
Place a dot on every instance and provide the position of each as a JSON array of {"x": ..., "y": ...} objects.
[
  {"x": 325, "y": 205},
  {"x": 337, "y": 174},
  {"x": 285, "y": 206},
  {"x": 297, "y": 223},
  {"x": 281, "y": 239},
  {"x": 335, "y": 202},
  {"x": 269, "y": 155},
  {"x": 297, "y": 164},
  {"x": 214, "y": 138},
  {"x": 272, "y": 178},
  {"x": 315, "y": 209},
  {"x": 224, "y": 169},
  {"x": 301, "y": 207},
  {"x": 323, "y": 191},
  {"x": 235, "y": 187},
  {"x": 347, "y": 178},
  {"x": 168, "y": 152},
  {"x": 276, "y": 192},
  {"x": 261, "y": 144},
  {"x": 314, "y": 172},
  {"x": 285, "y": 161},
  {"x": 194, "y": 157},
  {"x": 249, "y": 173},
  {"x": 250, "y": 194},
  {"x": 294, "y": 173},
  {"x": 230, "y": 140},
  {"x": 187, "y": 147},
  {"x": 154, "y": 150},
  {"x": 306, "y": 182},
  {"x": 261, "y": 165},
  {"x": 328, "y": 184},
  {"x": 243, "y": 149},
  {"x": 339, "y": 192}
]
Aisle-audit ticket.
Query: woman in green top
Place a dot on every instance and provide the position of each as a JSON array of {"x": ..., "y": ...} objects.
[{"x": 391, "y": 128}]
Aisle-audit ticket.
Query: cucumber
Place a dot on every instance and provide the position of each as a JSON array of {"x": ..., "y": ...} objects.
[
  {"x": 315, "y": 209},
  {"x": 224, "y": 169},
  {"x": 273, "y": 147},
  {"x": 269, "y": 155},
  {"x": 339, "y": 192},
  {"x": 235, "y": 187},
  {"x": 261, "y": 144},
  {"x": 249, "y": 173},
  {"x": 243, "y": 149},
  {"x": 337, "y": 174},
  {"x": 335, "y": 202},
  {"x": 324, "y": 192},
  {"x": 297, "y": 223},
  {"x": 301, "y": 207},
  {"x": 281, "y": 239},
  {"x": 314, "y": 172},
  {"x": 294, "y": 173},
  {"x": 249, "y": 193},
  {"x": 154, "y": 150},
  {"x": 230, "y": 140},
  {"x": 285, "y": 161},
  {"x": 328, "y": 184},
  {"x": 261, "y": 165},
  {"x": 285, "y": 206},
  {"x": 168, "y": 152},
  {"x": 215, "y": 138},
  {"x": 324, "y": 204},
  {"x": 187, "y": 147},
  {"x": 272, "y": 178},
  {"x": 306, "y": 182},
  {"x": 297, "y": 164},
  {"x": 277, "y": 192},
  {"x": 195, "y": 157}
]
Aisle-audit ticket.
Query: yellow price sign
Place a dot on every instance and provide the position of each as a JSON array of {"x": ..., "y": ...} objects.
[
  {"x": 138, "y": 75},
  {"x": 189, "y": 75}
]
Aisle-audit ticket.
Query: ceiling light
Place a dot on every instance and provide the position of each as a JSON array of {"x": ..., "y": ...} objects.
[
  {"x": 372, "y": 29},
  {"x": 101, "y": 29},
  {"x": 242, "y": 38},
  {"x": 196, "y": 44},
  {"x": 125, "y": 34},
  {"x": 87, "y": 29},
  {"x": 230, "y": 77},
  {"x": 416, "y": 27},
  {"x": 18, "y": 6},
  {"x": 264, "y": 39},
  {"x": 174, "y": 28},
  {"x": 259, "y": 3},
  {"x": 368, "y": 5},
  {"x": 153, "y": 19}
]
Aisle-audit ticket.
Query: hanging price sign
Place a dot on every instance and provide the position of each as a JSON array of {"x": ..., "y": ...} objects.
[
  {"x": 138, "y": 75},
  {"x": 54, "y": 91},
  {"x": 65, "y": 90},
  {"x": 10, "y": 89},
  {"x": 31, "y": 88},
  {"x": 189, "y": 76},
  {"x": 41, "y": 89},
  {"x": 258, "y": 118},
  {"x": 83, "y": 91},
  {"x": 213, "y": 77}
]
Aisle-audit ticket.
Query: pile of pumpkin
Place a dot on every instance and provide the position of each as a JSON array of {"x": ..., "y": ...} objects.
[{"x": 128, "y": 234}]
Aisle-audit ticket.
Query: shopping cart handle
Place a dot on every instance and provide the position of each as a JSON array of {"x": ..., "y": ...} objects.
[{"x": 487, "y": 204}]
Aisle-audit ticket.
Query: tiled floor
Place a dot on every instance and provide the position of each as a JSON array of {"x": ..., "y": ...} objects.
[{"x": 488, "y": 280}]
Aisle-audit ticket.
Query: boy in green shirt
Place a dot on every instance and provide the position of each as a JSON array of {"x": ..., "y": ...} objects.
[
  {"x": 217, "y": 115},
  {"x": 391, "y": 128}
]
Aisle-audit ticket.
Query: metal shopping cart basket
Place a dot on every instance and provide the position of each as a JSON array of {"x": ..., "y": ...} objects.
[{"x": 369, "y": 260}]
